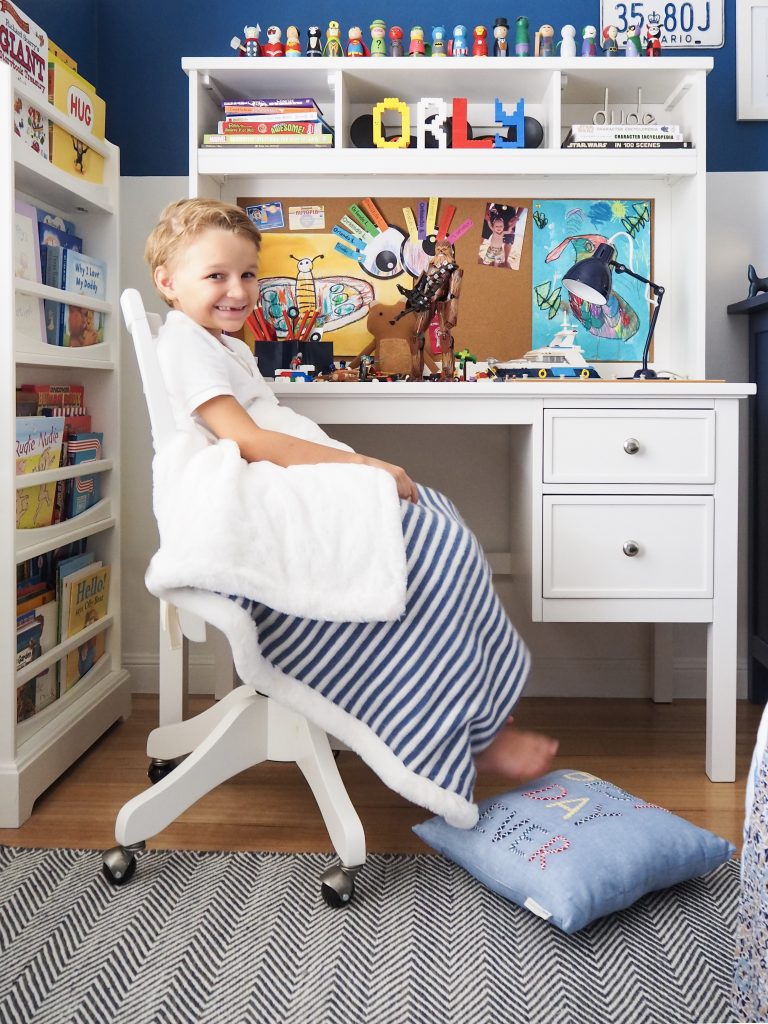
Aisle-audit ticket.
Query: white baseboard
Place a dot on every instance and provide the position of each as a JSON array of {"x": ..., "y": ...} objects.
[{"x": 550, "y": 677}]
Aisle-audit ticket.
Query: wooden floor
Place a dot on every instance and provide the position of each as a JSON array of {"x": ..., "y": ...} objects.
[{"x": 655, "y": 751}]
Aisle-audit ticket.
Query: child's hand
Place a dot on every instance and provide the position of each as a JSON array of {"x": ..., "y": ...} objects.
[{"x": 406, "y": 488}]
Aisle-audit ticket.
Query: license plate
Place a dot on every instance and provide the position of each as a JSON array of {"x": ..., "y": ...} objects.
[{"x": 684, "y": 25}]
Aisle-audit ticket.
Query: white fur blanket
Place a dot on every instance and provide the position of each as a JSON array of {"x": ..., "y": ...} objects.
[{"x": 320, "y": 542}]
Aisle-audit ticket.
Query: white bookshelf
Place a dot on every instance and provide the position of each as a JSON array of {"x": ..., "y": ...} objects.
[
  {"x": 558, "y": 92},
  {"x": 35, "y": 752}
]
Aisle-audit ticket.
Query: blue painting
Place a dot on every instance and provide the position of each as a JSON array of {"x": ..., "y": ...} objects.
[{"x": 566, "y": 231}]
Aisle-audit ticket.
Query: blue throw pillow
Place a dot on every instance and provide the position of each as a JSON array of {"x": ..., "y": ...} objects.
[{"x": 572, "y": 847}]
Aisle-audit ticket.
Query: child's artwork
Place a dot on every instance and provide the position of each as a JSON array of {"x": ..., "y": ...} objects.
[
  {"x": 566, "y": 231},
  {"x": 502, "y": 236}
]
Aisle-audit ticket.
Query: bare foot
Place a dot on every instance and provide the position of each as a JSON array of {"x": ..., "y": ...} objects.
[{"x": 517, "y": 754}]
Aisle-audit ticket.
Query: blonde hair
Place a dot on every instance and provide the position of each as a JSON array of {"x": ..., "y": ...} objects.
[{"x": 182, "y": 221}]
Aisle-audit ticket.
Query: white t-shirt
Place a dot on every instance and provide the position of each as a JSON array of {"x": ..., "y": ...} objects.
[{"x": 197, "y": 366}]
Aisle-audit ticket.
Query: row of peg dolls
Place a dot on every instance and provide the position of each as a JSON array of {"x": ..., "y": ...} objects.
[{"x": 458, "y": 44}]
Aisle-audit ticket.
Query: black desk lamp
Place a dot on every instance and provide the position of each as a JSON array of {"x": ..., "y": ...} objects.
[{"x": 590, "y": 280}]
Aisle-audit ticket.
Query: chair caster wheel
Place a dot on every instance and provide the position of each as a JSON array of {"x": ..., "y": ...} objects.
[
  {"x": 118, "y": 865},
  {"x": 158, "y": 769},
  {"x": 337, "y": 885}
]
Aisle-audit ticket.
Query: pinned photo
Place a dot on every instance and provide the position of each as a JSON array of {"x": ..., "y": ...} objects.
[
  {"x": 266, "y": 216},
  {"x": 306, "y": 218},
  {"x": 503, "y": 233}
]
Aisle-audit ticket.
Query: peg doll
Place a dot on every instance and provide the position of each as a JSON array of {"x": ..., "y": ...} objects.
[
  {"x": 314, "y": 41},
  {"x": 500, "y": 33},
  {"x": 545, "y": 41},
  {"x": 652, "y": 39},
  {"x": 522, "y": 37},
  {"x": 332, "y": 46},
  {"x": 438, "y": 41},
  {"x": 610, "y": 44},
  {"x": 396, "y": 48},
  {"x": 460, "y": 46},
  {"x": 633, "y": 47},
  {"x": 567, "y": 44},
  {"x": 292, "y": 42},
  {"x": 250, "y": 45},
  {"x": 355, "y": 45},
  {"x": 416, "y": 47},
  {"x": 480, "y": 41},
  {"x": 588, "y": 37},
  {"x": 274, "y": 47},
  {"x": 378, "y": 32}
]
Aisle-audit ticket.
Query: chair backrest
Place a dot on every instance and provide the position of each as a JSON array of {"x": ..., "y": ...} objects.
[{"x": 144, "y": 327}]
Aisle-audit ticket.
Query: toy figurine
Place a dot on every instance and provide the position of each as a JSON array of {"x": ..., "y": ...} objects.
[
  {"x": 633, "y": 46},
  {"x": 332, "y": 46},
  {"x": 396, "y": 48},
  {"x": 416, "y": 47},
  {"x": 500, "y": 33},
  {"x": 436, "y": 291},
  {"x": 544, "y": 41},
  {"x": 292, "y": 42},
  {"x": 460, "y": 45},
  {"x": 567, "y": 44},
  {"x": 314, "y": 45},
  {"x": 588, "y": 37},
  {"x": 653, "y": 38},
  {"x": 378, "y": 31},
  {"x": 756, "y": 284},
  {"x": 610, "y": 43},
  {"x": 479, "y": 41},
  {"x": 250, "y": 46},
  {"x": 366, "y": 366},
  {"x": 438, "y": 41},
  {"x": 273, "y": 46},
  {"x": 464, "y": 357},
  {"x": 522, "y": 38},
  {"x": 355, "y": 45}
]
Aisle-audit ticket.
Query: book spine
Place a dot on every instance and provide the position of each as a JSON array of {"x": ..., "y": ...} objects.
[
  {"x": 53, "y": 278},
  {"x": 295, "y": 114},
  {"x": 284, "y": 101},
  {"x": 622, "y": 144},
  {"x": 287, "y": 139},
  {"x": 625, "y": 137},
  {"x": 259, "y": 129},
  {"x": 608, "y": 129}
]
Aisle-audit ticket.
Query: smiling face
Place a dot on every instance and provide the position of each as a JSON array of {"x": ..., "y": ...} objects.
[{"x": 213, "y": 279}]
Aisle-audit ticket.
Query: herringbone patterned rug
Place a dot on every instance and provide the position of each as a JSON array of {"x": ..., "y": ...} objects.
[{"x": 240, "y": 938}]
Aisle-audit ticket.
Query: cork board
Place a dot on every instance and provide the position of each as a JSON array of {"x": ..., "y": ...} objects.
[
  {"x": 494, "y": 316},
  {"x": 511, "y": 294}
]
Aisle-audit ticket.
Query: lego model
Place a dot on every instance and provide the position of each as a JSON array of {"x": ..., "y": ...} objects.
[
  {"x": 560, "y": 358},
  {"x": 435, "y": 294}
]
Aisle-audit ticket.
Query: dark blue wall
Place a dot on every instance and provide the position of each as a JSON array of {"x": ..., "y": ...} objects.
[{"x": 132, "y": 53}]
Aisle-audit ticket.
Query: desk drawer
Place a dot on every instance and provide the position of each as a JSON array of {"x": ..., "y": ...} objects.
[
  {"x": 627, "y": 546},
  {"x": 637, "y": 446}
]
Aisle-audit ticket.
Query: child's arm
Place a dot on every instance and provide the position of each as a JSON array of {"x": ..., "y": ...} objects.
[{"x": 225, "y": 417}]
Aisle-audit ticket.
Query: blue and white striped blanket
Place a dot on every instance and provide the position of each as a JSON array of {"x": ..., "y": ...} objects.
[{"x": 417, "y": 698}]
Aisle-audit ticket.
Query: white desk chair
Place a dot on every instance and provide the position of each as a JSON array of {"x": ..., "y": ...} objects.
[{"x": 242, "y": 729}]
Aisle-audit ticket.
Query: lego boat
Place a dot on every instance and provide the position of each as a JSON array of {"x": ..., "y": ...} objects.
[{"x": 560, "y": 358}]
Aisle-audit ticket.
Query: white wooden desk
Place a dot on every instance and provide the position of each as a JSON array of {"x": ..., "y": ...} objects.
[{"x": 633, "y": 503}]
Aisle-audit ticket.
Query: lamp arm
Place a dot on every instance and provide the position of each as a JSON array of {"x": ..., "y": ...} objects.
[{"x": 658, "y": 292}]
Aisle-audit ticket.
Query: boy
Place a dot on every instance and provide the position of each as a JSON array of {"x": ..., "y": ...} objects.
[{"x": 454, "y": 666}]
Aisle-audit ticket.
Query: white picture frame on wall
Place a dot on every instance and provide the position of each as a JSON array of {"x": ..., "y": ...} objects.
[{"x": 752, "y": 60}]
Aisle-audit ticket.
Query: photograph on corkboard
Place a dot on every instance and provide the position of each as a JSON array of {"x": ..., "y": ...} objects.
[{"x": 566, "y": 231}]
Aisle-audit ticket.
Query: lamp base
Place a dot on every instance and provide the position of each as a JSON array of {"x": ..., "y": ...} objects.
[{"x": 645, "y": 372}]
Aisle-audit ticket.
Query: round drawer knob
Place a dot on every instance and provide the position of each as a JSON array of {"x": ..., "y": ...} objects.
[
  {"x": 631, "y": 446},
  {"x": 630, "y": 548}
]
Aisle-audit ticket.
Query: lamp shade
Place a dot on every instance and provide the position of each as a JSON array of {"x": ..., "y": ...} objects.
[{"x": 590, "y": 279}]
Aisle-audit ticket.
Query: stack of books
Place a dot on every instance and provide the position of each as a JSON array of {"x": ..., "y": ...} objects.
[
  {"x": 290, "y": 121},
  {"x": 625, "y": 136}
]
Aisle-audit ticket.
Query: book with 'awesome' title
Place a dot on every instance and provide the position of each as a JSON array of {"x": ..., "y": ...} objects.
[{"x": 284, "y": 139}]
